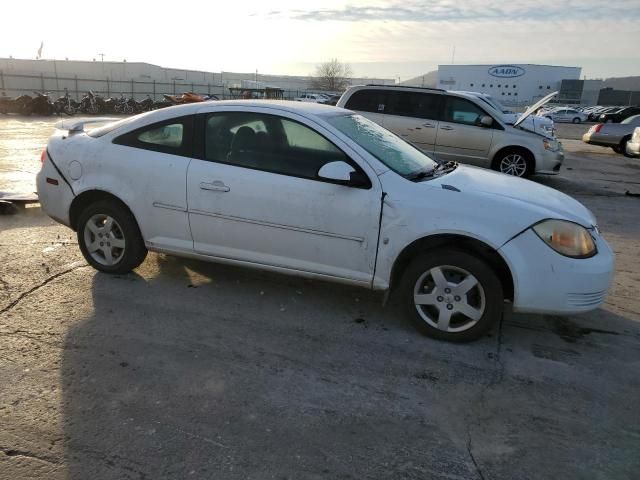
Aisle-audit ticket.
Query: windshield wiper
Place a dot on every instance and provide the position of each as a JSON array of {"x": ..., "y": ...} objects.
[
  {"x": 446, "y": 167},
  {"x": 420, "y": 174}
]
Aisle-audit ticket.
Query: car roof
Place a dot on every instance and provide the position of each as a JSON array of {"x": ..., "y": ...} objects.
[{"x": 303, "y": 108}]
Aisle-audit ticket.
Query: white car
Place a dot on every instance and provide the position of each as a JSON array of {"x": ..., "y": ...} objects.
[
  {"x": 632, "y": 147},
  {"x": 324, "y": 193},
  {"x": 311, "y": 97},
  {"x": 565, "y": 115},
  {"x": 540, "y": 125}
]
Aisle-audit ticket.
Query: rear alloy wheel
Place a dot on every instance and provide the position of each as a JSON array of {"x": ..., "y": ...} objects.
[
  {"x": 576, "y": 120},
  {"x": 451, "y": 295},
  {"x": 109, "y": 238},
  {"x": 514, "y": 163}
]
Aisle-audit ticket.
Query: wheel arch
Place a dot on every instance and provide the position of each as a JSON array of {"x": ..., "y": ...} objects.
[
  {"x": 461, "y": 242},
  {"x": 86, "y": 198}
]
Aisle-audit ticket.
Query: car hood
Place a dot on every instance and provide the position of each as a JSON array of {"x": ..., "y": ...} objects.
[
  {"x": 534, "y": 107},
  {"x": 529, "y": 201}
]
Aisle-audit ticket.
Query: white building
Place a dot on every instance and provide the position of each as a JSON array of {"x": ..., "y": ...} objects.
[{"x": 510, "y": 84}]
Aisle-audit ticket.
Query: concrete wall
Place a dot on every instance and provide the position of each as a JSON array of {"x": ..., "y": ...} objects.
[{"x": 21, "y": 76}]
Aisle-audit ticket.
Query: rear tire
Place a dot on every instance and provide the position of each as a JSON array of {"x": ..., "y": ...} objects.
[
  {"x": 451, "y": 295},
  {"x": 109, "y": 237},
  {"x": 576, "y": 120}
]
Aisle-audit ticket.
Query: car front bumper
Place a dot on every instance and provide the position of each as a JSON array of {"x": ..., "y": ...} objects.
[
  {"x": 549, "y": 283},
  {"x": 550, "y": 162},
  {"x": 633, "y": 148}
]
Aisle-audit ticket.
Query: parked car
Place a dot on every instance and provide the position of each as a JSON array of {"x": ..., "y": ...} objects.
[
  {"x": 596, "y": 112},
  {"x": 324, "y": 193},
  {"x": 311, "y": 97},
  {"x": 566, "y": 115},
  {"x": 632, "y": 147},
  {"x": 331, "y": 100},
  {"x": 457, "y": 126},
  {"x": 618, "y": 115},
  {"x": 541, "y": 125},
  {"x": 614, "y": 135}
]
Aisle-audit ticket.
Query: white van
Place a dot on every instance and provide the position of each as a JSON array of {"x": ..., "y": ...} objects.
[{"x": 458, "y": 126}]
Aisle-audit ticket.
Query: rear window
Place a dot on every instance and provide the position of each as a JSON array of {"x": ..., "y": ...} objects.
[{"x": 367, "y": 101}]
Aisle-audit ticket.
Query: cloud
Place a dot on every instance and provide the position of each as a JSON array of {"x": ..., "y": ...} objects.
[{"x": 455, "y": 11}]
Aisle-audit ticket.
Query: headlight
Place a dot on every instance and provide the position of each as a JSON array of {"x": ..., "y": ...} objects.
[
  {"x": 551, "y": 145},
  {"x": 566, "y": 238}
]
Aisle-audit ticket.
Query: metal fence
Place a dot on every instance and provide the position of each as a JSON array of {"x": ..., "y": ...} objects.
[{"x": 15, "y": 85}]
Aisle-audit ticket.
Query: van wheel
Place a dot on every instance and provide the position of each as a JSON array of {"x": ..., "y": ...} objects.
[
  {"x": 451, "y": 295},
  {"x": 109, "y": 238},
  {"x": 514, "y": 162}
]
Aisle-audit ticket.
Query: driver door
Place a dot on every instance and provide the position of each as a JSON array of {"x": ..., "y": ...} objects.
[{"x": 256, "y": 197}]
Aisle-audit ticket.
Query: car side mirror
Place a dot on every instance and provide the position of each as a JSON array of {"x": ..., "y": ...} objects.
[
  {"x": 486, "y": 121},
  {"x": 338, "y": 171}
]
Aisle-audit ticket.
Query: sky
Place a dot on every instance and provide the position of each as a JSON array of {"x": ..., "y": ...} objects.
[{"x": 384, "y": 39}]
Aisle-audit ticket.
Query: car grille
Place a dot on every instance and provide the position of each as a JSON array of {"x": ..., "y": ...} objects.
[{"x": 586, "y": 299}]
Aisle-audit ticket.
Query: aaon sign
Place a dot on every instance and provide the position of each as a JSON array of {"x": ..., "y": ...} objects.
[{"x": 506, "y": 71}]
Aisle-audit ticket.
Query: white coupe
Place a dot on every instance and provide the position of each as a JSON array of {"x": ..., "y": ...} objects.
[{"x": 324, "y": 193}]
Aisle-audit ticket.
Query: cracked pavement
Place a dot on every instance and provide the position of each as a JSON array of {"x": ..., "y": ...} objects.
[{"x": 185, "y": 369}]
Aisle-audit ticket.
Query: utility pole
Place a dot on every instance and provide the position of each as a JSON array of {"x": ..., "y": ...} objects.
[
  {"x": 101, "y": 55},
  {"x": 453, "y": 55}
]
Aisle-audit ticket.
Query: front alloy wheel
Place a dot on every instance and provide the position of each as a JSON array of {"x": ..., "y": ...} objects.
[
  {"x": 449, "y": 298},
  {"x": 451, "y": 295},
  {"x": 515, "y": 164}
]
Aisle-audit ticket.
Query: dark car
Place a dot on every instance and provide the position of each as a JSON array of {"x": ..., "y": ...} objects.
[
  {"x": 594, "y": 115},
  {"x": 619, "y": 115}
]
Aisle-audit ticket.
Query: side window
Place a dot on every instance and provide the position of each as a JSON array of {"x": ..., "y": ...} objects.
[
  {"x": 367, "y": 101},
  {"x": 459, "y": 110},
  {"x": 170, "y": 136},
  {"x": 414, "y": 104},
  {"x": 167, "y": 135},
  {"x": 270, "y": 143}
]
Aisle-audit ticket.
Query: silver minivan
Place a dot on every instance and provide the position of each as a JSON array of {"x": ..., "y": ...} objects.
[{"x": 457, "y": 126}]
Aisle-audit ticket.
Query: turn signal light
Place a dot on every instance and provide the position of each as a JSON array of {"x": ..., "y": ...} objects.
[{"x": 598, "y": 127}]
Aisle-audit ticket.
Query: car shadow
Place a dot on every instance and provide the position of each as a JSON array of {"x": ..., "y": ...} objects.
[{"x": 191, "y": 369}]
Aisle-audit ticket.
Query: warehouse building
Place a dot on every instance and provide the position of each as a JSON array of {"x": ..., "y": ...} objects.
[
  {"x": 23, "y": 76},
  {"x": 511, "y": 84}
]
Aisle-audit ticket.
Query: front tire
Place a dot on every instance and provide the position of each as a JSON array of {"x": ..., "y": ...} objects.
[
  {"x": 451, "y": 295},
  {"x": 109, "y": 237},
  {"x": 517, "y": 163}
]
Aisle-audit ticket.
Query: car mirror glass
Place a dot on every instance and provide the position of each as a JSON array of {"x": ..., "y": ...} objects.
[
  {"x": 486, "y": 121},
  {"x": 338, "y": 170}
]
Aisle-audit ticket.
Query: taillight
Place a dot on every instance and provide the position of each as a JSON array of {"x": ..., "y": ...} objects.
[
  {"x": 43, "y": 156},
  {"x": 598, "y": 127}
]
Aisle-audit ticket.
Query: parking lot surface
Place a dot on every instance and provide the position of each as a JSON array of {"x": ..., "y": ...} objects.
[{"x": 186, "y": 369}]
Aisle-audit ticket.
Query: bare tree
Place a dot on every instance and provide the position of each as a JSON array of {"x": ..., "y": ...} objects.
[{"x": 331, "y": 76}]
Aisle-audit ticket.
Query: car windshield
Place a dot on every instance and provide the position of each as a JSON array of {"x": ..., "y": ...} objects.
[{"x": 400, "y": 156}]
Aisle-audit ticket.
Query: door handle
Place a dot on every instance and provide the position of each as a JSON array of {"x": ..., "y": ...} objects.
[
  {"x": 429, "y": 125},
  {"x": 216, "y": 186},
  {"x": 446, "y": 127}
]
